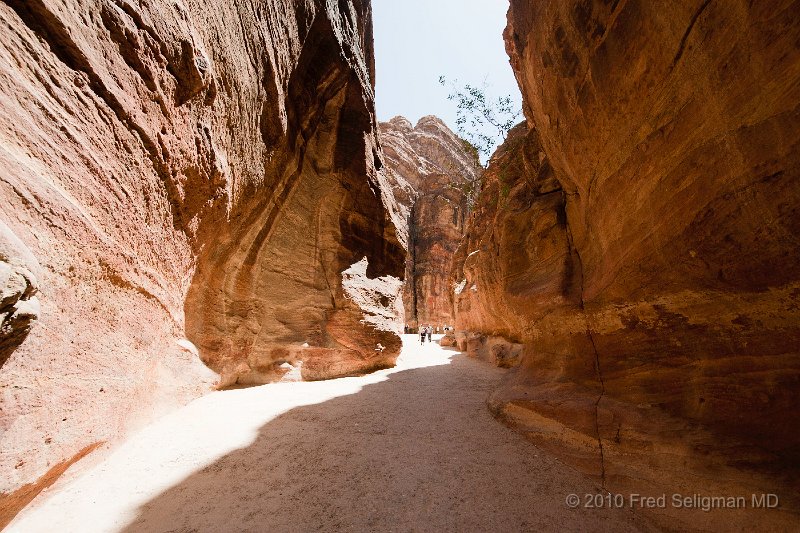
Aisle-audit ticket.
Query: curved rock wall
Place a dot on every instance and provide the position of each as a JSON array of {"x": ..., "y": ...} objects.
[
  {"x": 515, "y": 264},
  {"x": 434, "y": 171},
  {"x": 645, "y": 252},
  {"x": 179, "y": 179}
]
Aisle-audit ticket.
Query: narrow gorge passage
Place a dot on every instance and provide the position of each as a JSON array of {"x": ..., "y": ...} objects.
[
  {"x": 198, "y": 196},
  {"x": 413, "y": 447}
]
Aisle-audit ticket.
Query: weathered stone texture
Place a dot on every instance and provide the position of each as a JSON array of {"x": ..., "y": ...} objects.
[
  {"x": 434, "y": 170},
  {"x": 641, "y": 243},
  {"x": 176, "y": 171},
  {"x": 514, "y": 263},
  {"x": 19, "y": 304}
]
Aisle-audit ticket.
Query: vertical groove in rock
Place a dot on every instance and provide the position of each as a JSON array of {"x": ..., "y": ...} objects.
[
  {"x": 596, "y": 355},
  {"x": 688, "y": 31},
  {"x": 597, "y": 407}
]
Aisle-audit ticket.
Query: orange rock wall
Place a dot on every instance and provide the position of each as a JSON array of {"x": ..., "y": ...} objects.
[{"x": 654, "y": 279}]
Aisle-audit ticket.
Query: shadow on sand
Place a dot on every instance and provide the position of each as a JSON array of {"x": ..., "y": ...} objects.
[{"x": 416, "y": 452}]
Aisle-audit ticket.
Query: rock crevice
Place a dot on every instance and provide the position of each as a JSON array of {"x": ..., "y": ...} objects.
[{"x": 435, "y": 176}]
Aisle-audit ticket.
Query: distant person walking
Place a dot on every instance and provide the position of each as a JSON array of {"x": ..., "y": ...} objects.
[
  {"x": 430, "y": 332},
  {"x": 422, "y": 334}
]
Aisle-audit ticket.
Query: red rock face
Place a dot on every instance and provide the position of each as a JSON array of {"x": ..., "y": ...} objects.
[
  {"x": 432, "y": 170},
  {"x": 183, "y": 171},
  {"x": 645, "y": 249},
  {"x": 515, "y": 262}
]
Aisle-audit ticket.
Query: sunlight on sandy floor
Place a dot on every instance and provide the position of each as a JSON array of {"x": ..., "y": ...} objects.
[{"x": 107, "y": 497}]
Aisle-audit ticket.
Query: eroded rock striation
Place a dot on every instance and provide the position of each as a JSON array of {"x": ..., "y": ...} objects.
[
  {"x": 183, "y": 179},
  {"x": 639, "y": 246},
  {"x": 434, "y": 174}
]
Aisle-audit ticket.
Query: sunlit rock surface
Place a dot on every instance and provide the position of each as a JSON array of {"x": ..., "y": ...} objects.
[
  {"x": 183, "y": 183},
  {"x": 432, "y": 171},
  {"x": 641, "y": 244}
]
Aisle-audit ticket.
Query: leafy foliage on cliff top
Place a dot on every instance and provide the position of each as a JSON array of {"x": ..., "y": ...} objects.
[{"x": 483, "y": 121}]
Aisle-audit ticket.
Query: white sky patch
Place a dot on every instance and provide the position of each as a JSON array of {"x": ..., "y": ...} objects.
[{"x": 416, "y": 41}]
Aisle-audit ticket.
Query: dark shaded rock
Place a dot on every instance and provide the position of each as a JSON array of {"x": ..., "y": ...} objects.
[{"x": 19, "y": 304}]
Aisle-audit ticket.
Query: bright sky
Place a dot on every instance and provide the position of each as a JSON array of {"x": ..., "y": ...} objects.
[{"x": 416, "y": 41}]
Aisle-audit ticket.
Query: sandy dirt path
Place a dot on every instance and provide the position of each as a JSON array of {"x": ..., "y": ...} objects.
[{"x": 413, "y": 448}]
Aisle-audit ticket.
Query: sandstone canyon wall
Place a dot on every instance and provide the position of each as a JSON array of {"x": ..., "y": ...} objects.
[
  {"x": 182, "y": 181},
  {"x": 635, "y": 253},
  {"x": 435, "y": 174}
]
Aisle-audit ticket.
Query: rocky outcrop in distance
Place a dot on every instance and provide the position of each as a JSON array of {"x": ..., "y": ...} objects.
[
  {"x": 434, "y": 175},
  {"x": 186, "y": 186},
  {"x": 634, "y": 254}
]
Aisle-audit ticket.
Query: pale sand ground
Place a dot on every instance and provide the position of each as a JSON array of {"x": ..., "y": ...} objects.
[{"x": 413, "y": 448}]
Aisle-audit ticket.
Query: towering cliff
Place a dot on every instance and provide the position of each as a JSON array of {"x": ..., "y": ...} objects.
[
  {"x": 638, "y": 250},
  {"x": 435, "y": 174},
  {"x": 182, "y": 181},
  {"x": 514, "y": 264}
]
